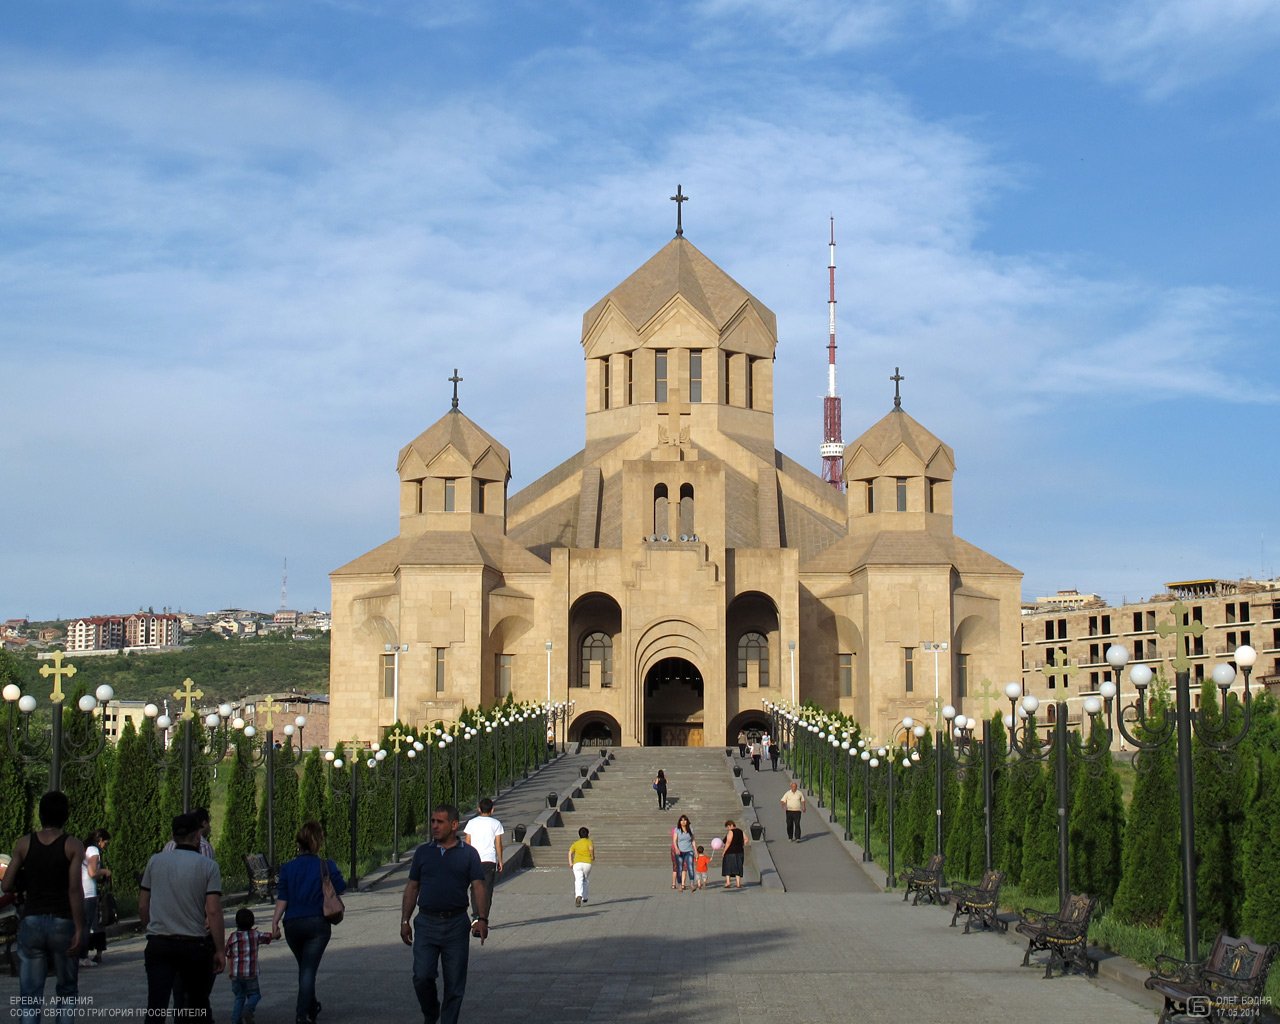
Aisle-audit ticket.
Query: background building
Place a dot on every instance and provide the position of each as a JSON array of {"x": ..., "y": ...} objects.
[{"x": 678, "y": 571}]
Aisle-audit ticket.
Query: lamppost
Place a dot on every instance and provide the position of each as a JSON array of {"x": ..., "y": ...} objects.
[
  {"x": 1021, "y": 726},
  {"x": 869, "y": 761},
  {"x": 213, "y": 745},
  {"x": 395, "y": 650},
  {"x": 298, "y": 724},
  {"x": 1178, "y": 730},
  {"x": 561, "y": 712},
  {"x": 966, "y": 758},
  {"x": 266, "y": 709},
  {"x": 51, "y": 745},
  {"x": 548, "y": 672},
  {"x": 852, "y": 752},
  {"x": 791, "y": 646},
  {"x": 397, "y": 739},
  {"x": 888, "y": 755},
  {"x": 937, "y": 647},
  {"x": 834, "y": 741},
  {"x": 352, "y": 792}
]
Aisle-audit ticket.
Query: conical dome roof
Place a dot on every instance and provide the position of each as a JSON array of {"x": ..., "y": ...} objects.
[
  {"x": 454, "y": 429},
  {"x": 898, "y": 429},
  {"x": 679, "y": 268}
]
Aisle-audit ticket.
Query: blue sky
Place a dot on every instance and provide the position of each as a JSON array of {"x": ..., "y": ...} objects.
[{"x": 244, "y": 242}]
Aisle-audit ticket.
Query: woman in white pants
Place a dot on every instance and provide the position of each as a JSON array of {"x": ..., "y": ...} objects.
[{"x": 582, "y": 855}]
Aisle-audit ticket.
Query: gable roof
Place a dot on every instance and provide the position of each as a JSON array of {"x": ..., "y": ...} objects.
[
  {"x": 898, "y": 428},
  {"x": 458, "y": 430}
]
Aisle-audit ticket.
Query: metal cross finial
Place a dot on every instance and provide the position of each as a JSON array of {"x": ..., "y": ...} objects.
[
  {"x": 396, "y": 737},
  {"x": 679, "y": 199},
  {"x": 1181, "y": 627},
  {"x": 987, "y": 693},
  {"x": 268, "y": 708},
  {"x": 187, "y": 694},
  {"x": 455, "y": 380},
  {"x": 1062, "y": 671},
  {"x": 897, "y": 379},
  {"x": 59, "y": 672}
]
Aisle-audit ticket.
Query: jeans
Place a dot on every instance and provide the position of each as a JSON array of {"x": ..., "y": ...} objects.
[
  {"x": 173, "y": 958},
  {"x": 42, "y": 943},
  {"x": 90, "y": 925},
  {"x": 307, "y": 937},
  {"x": 684, "y": 867},
  {"x": 793, "y": 824},
  {"x": 582, "y": 879},
  {"x": 662, "y": 799},
  {"x": 247, "y": 992},
  {"x": 443, "y": 941}
]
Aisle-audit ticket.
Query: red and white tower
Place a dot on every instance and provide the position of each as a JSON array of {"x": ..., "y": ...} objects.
[{"x": 832, "y": 444}]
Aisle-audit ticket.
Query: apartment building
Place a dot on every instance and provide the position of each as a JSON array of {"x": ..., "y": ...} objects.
[
  {"x": 1064, "y": 651},
  {"x": 112, "y": 632}
]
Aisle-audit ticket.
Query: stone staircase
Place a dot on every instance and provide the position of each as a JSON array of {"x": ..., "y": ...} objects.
[{"x": 621, "y": 808}]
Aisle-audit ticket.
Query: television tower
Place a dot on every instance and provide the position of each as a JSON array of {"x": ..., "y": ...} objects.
[
  {"x": 832, "y": 444},
  {"x": 284, "y": 585}
]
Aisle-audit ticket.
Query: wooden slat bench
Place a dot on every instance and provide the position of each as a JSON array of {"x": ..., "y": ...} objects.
[
  {"x": 1064, "y": 935},
  {"x": 1226, "y": 986},
  {"x": 980, "y": 903},
  {"x": 925, "y": 882}
]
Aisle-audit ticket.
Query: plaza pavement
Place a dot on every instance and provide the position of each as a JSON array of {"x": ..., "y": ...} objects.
[{"x": 825, "y": 951}]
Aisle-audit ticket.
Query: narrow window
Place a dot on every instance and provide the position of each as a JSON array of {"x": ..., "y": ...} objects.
[
  {"x": 1062, "y": 629},
  {"x": 871, "y": 496},
  {"x": 604, "y": 383},
  {"x": 1137, "y": 621},
  {"x": 962, "y": 676},
  {"x": 1231, "y": 612},
  {"x": 928, "y": 494},
  {"x": 753, "y": 648},
  {"x": 629, "y": 398},
  {"x": 1048, "y": 629},
  {"x": 909, "y": 668},
  {"x": 450, "y": 487},
  {"x": 480, "y": 489},
  {"x": 388, "y": 676},
  {"x": 440, "y": 669},
  {"x": 504, "y": 675},
  {"x": 724, "y": 378},
  {"x": 695, "y": 376},
  {"x": 1093, "y": 625},
  {"x": 597, "y": 647},
  {"x": 418, "y": 490},
  {"x": 1244, "y": 611},
  {"x": 751, "y": 383},
  {"x": 686, "y": 510},
  {"x": 660, "y": 511},
  {"x": 660, "y": 375},
  {"x": 902, "y": 493},
  {"x": 846, "y": 675},
  {"x": 1106, "y": 625}
]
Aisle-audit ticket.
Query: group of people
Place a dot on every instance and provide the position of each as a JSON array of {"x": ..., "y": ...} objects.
[
  {"x": 691, "y": 864},
  {"x": 760, "y": 747}
]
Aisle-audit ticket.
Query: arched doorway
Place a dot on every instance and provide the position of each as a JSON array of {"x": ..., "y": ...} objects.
[
  {"x": 673, "y": 704},
  {"x": 754, "y": 723},
  {"x": 596, "y": 729}
]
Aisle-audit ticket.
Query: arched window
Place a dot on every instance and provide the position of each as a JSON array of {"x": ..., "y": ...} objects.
[
  {"x": 597, "y": 647},
  {"x": 753, "y": 648},
  {"x": 660, "y": 524},
  {"x": 686, "y": 510}
]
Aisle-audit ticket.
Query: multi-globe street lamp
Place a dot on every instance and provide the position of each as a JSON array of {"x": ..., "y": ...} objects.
[
  {"x": 560, "y": 712},
  {"x": 53, "y": 746},
  {"x": 215, "y": 739},
  {"x": 1177, "y": 729}
]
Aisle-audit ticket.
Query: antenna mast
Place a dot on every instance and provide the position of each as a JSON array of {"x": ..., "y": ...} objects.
[
  {"x": 832, "y": 444},
  {"x": 284, "y": 585}
]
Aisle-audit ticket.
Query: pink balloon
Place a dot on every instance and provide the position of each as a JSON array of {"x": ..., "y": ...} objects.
[{"x": 717, "y": 843}]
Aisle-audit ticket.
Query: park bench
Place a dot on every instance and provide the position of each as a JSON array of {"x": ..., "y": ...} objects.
[
  {"x": 925, "y": 882},
  {"x": 1226, "y": 986},
  {"x": 980, "y": 902},
  {"x": 262, "y": 882},
  {"x": 1064, "y": 935}
]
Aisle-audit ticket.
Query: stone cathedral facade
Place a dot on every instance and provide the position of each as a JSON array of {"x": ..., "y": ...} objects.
[{"x": 678, "y": 571}]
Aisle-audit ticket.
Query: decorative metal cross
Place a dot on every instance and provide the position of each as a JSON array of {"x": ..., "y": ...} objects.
[
  {"x": 679, "y": 199},
  {"x": 59, "y": 672},
  {"x": 267, "y": 709},
  {"x": 455, "y": 380},
  {"x": 897, "y": 379},
  {"x": 1181, "y": 627},
  {"x": 988, "y": 693},
  {"x": 353, "y": 749},
  {"x": 1062, "y": 671},
  {"x": 396, "y": 738},
  {"x": 187, "y": 694}
]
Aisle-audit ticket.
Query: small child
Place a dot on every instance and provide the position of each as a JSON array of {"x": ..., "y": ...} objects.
[
  {"x": 242, "y": 966},
  {"x": 701, "y": 864}
]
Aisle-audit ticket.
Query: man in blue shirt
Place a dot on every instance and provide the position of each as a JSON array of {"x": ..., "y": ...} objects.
[{"x": 443, "y": 874}]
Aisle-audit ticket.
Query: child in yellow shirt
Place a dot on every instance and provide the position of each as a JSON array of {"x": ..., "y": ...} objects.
[{"x": 582, "y": 855}]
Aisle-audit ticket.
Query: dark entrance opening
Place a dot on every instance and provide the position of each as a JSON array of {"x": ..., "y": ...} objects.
[{"x": 673, "y": 702}]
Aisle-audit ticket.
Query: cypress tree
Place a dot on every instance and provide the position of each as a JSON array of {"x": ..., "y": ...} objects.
[
  {"x": 338, "y": 809},
  {"x": 1097, "y": 823},
  {"x": 919, "y": 806},
  {"x": 311, "y": 790},
  {"x": 84, "y": 779},
  {"x": 1149, "y": 881},
  {"x": 1021, "y": 783},
  {"x": 15, "y": 784},
  {"x": 1260, "y": 912},
  {"x": 964, "y": 834},
  {"x": 285, "y": 805},
  {"x": 138, "y": 827},
  {"x": 1040, "y": 825},
  {"x": 999, "y": 809},
  {"x": 238, "y": 838}
]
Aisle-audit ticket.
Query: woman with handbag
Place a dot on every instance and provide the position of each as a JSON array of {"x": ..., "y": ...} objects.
[
  {"x": 309, "y": 912},
  {"x": 94, "y": 876}
]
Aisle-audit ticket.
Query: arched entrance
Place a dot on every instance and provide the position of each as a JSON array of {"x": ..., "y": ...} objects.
[
  {"x": 596, "y": 729},
  {"x": 673, "y": 704},
  {"x": 754, "y": 723}
]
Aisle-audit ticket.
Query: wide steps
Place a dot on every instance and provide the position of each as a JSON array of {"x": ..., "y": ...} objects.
[{"x": 621, "y": 808}]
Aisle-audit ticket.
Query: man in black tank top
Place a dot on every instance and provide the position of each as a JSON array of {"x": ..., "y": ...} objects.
[{"x": 53, "y": 921}]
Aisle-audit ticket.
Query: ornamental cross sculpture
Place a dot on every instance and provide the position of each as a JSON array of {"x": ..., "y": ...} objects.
[
  {"x": 187, "y": 694},
  {"x": 396, "y": 738},
  {"x": 673, "y": 430},
  {"x": 455, "y": 380},
  {"x": 988, "y": 693},
  {"x": 1181, "y": 627},
  {"x": 897, "y": 379},
  {"x": 679, "y": 199},
  {"x": 59, "y": 672},
  {"x": 1062, "y": 671},
  {"x": 268, "y": 708}
]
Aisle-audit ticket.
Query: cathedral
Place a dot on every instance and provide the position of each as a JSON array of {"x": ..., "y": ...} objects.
[{"x": 679, "y": 571}]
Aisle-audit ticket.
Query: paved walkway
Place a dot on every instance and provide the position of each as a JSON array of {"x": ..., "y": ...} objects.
[{"x": 639, "y": 952}]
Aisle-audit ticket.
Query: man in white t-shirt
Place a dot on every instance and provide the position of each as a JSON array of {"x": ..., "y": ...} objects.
[{"x": 484, "y": 832}]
